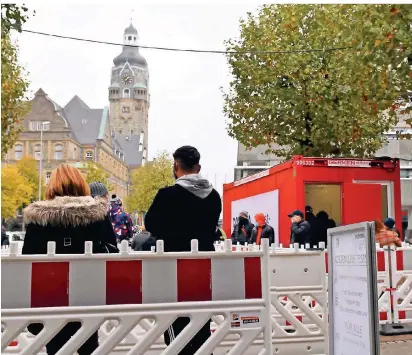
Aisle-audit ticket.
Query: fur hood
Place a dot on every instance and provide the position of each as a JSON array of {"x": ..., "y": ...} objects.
[{"x": 66, "y": 211}]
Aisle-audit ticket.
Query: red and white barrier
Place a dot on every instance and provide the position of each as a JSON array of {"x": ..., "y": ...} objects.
[{"x": 130, "y": 287}]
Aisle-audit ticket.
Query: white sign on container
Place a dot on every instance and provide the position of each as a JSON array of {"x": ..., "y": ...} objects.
[{"x": 353, "y": 313}]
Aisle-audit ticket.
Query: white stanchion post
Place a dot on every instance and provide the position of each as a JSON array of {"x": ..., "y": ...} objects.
[
  {"x": 160, "y": 247},
  {"x": 307, "y": 246},
  {"x": 296, "y": 246},
  {"x": 51, "y": 248},
  {"x": 194, "y": 244},
  {"x": 267, "y": 296},
  {"x": 322, "y": 245},
  {"x": 14, "y": 248},
  {"x": 124, "y": 247},
  {"x": 273, "y": 247},
  {"x": 302, "y": 247},
  {"x": 88, "y": 248},
  {"x": 228, "y": 245}
]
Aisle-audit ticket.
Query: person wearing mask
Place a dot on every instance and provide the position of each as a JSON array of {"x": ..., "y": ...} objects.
[
  {"x": 190, "y": 209},
  {"x": 143, "y": 240},
  {"x": 262, "y": 230},
  {"x": 69, "y": 217},
  {"x": 386, "y": 237},
  {"x": 242, "y": 231},
  {"x": 299, "y": 231},
  {"x": 390, "y": 226}
]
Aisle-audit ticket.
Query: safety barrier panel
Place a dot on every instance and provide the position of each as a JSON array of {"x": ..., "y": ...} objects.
[{"x": 129, "y": 287}]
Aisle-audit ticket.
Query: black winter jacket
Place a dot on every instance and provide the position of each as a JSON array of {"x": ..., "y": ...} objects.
[
  {"x": 240, "y": 236},
  {"x": 267, "y": 232},
  {"x": 68, "y": 221},
  {"x": 299, "y": 233},
  {"x": 177, "y": 216}
]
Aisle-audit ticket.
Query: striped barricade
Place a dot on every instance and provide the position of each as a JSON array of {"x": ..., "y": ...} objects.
[
  {"x": 130, "y": 287},
  {"x": 401, "y": 265}
]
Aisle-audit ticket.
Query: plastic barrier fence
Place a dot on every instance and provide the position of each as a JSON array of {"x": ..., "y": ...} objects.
[{"x": 159, "y": 287}]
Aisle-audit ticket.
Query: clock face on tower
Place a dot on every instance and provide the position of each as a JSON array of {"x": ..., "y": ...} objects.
[{"x": 126, "y": 79}]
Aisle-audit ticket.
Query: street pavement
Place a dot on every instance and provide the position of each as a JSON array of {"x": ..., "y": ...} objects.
[{"x": 401, "y": 347}]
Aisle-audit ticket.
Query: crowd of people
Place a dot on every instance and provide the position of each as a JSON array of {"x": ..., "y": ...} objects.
[{"x": 74, "y": 212}]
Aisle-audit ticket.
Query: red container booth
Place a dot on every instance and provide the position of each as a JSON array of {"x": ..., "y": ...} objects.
[{"x": 349, "y": 190}]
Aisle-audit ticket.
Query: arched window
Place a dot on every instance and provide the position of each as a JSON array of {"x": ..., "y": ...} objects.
[
  {"x": 37, "y": 149},
  {"x": 126, "y": 93},
  {"x": 134, "y": 38},
  {"x": 18, "y": 151},
  {"x": 59, "y": 151},
  {"x": 130, "y": 38}
]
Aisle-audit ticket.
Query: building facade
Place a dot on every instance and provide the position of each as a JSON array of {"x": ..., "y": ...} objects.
[
  {"x": 74, "y": 134},
  {"x": 115, "y": 138}
]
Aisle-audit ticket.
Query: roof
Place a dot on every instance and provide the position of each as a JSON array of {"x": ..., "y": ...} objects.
[
  {"x": 84, "y": 121},
  {"x": 130, "y": 30},
  {"x": 129, "y": 144}
]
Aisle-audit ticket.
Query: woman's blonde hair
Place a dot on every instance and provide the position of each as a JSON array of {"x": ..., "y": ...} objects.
[{"x": 66, "y": 180}]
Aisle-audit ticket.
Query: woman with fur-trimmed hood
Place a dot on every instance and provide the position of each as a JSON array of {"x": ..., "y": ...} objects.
[{"x": 69, "y": 217}]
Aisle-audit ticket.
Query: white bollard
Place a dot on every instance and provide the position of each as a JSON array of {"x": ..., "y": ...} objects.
[
  {"x": 250, "y": 247},
  {"x": 51, "y": 248},
  {"x": 194, "y": 244},
  {"x": 281, "y": 246},
  {"x": 302, "y": 247},
  {"x": 307, "y": 246},
  {"x": 88, "y": 247},
  {"x": 124, "y": 247},
  {"x": 296, "y": 246},
  {"x": 322, "y": 245},
  {"x": 238, "y": 247},
  {"x": 14, "y": 248},
  {"x": 160, "y": 247},
  {"x": 153, "y": 249},
  {"x": 273, "y": 247}
]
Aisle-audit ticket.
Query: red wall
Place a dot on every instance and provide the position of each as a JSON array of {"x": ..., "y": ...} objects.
[{"x": 290, "y": 178}]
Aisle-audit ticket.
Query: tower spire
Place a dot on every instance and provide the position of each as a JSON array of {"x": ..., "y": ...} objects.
[{"x": 131, "y": 16}]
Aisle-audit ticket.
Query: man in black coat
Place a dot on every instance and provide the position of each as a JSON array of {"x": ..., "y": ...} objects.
[
  {"x": 188, "y": 210},
  {"x": 242, "y": 231},
  {"x": 299, "y": 231}
]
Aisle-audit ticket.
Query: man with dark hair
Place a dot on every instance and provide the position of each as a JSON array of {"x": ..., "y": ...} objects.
[{"x": 188, "y": 210}]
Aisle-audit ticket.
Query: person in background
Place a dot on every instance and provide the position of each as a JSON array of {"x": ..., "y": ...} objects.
[
  {"x": 320, "y": 233},
  {"x": 4, "y": 237},
  {"x": 386, "y": 237},
  {"x": 143, "y": 240},
  {"x": 121, "y": 220},
  {"x": 99, "y": 190},
  {"x": 299, "y": 231},
  {"x": 242, "y": 231},
  {"x": 220, "y": 233},
  {"x": 69, "y": 217},
  {"x": 189, "y": 209},
  {"x": 262, "y": 230},
  {"x": 390, "y": 226}
]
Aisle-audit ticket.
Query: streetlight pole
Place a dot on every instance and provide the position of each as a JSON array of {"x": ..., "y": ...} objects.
[{"x": 42, "y": 124}]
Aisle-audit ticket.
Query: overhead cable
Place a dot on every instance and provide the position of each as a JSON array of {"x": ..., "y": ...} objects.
[{"x": 188, "y": 49}]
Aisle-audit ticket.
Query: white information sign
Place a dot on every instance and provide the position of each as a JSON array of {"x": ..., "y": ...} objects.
[
  {"x": 266, "y": 203},
  {"x": 353, "y": 319}
]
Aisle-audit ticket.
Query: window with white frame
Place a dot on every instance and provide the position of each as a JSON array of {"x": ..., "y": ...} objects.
[
  {"x": 48, "y": 175},
  {"x": 58, "y": 152},
  {"x": 37, "y": 152},
  {"x": 126, "y": 94},
  {"x": 18, "y": 151},
  {"x": 89, "y": 155}
]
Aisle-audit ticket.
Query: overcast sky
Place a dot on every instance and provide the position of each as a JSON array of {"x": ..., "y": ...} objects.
[{"x": 186, "y": 100}]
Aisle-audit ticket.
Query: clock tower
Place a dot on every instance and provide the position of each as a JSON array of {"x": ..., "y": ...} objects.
[{"x": 129, "y": 92}]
